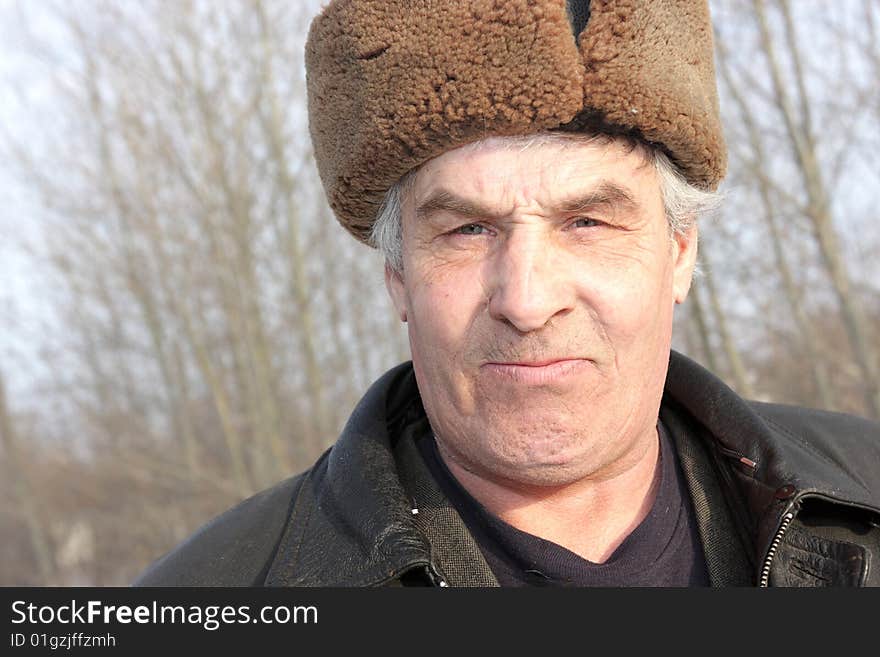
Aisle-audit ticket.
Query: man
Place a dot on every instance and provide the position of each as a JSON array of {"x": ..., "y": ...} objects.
[{"x": 533, "y": 171}]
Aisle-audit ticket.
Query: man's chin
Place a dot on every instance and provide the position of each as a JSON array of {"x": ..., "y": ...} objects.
[
  {"x": 548, "y": 475},
  {"x": 542, "y": 460}
]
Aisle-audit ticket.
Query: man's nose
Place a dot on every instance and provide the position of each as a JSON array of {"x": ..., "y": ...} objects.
[{"x": 528, "y": 283}]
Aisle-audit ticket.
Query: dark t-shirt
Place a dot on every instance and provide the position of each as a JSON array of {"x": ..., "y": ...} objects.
[{"x": 664, "y": 550}]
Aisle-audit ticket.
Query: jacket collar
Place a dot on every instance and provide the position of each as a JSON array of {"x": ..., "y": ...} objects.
[
  {"x": 352, "y": 524},
  {"x": 814, "y": 451},
  {"x": 797, "y": 453}
]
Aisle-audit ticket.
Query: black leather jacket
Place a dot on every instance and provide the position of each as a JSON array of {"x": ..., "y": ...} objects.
[{"x": 785, "y": 496}]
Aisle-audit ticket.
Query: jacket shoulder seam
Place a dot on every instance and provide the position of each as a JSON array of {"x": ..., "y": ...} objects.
[{"x": 288, "y": 520}]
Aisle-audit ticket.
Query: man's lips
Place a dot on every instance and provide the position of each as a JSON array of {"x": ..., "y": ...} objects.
[
  {"x": 536, "y": 372},
  {"x": 534, "y": 363}
]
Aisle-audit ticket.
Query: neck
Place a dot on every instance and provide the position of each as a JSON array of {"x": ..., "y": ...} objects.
[{"x": 591, "y": 516}]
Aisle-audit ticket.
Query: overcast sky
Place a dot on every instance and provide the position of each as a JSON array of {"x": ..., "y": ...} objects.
[{"x": 25, "y": 104}]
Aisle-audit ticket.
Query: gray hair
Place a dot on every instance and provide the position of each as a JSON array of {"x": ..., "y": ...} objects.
[{"x": 683, "y": 203}]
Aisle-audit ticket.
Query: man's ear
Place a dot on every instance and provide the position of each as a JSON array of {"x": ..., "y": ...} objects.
[
  {"x": 394, "y": 285},
  {"x": 684, "y": 253}
]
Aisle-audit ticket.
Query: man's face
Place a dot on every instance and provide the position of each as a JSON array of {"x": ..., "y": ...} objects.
[{"x": 538, "y": 286}]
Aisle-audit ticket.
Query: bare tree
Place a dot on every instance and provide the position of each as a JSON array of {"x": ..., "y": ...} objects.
[
  {"x": 795, "y": 110},
  {"x": 25, "y": 497},
  {"x": 757, "y": 164}
]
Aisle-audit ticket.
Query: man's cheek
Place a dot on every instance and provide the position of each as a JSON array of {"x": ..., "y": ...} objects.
[
  {"x": 632, "y": 304},
  {"x": 438, "y": 323}
]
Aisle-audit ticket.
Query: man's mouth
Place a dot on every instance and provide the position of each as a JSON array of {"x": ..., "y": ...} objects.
[{"x": 536, "y": 372}]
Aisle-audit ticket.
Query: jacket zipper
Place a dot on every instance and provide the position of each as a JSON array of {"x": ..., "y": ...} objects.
[{"x": 774, "y": 546}]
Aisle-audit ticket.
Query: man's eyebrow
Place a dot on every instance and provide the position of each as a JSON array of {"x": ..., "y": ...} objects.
[
  {"x": 443, "y": 200},
  {"x": 606, "y": 194}
]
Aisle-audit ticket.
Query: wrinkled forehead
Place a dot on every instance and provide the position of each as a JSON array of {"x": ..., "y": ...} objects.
[{"x": 538, "y": 167}]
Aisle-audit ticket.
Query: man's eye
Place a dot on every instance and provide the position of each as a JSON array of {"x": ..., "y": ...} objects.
[
  {"x": 586, "y": 222},
  {"x": 470, "y": 229}
]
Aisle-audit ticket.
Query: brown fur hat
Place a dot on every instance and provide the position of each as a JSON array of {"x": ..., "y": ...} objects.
[{"x": 394, "y": 83}]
